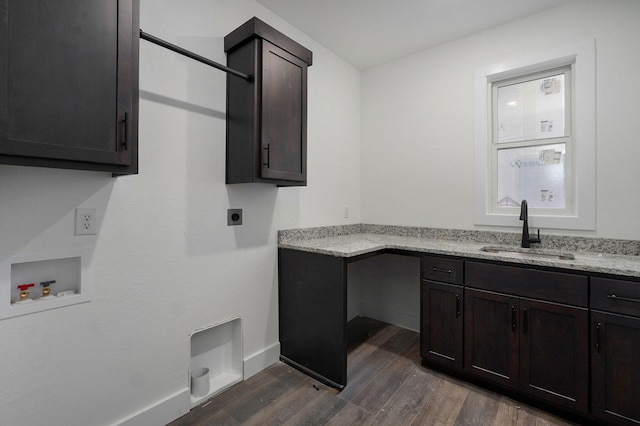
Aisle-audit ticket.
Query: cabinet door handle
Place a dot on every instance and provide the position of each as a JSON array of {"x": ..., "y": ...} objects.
[
  {"x": 267, "y": 155},
  {"x": 457, "y": 305},
  {"x": 598, "y": 336},
  {"x": 626, "y": 299},
  {"x": 513, "y": 318},
  {"x": 525, "y": 322},
  {"x": 125, "y": 139},
  {"x": 445, "y": 271}
]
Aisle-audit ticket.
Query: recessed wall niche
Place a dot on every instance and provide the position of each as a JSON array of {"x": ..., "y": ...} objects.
[
  {"x": 217, "y": 348},
  {"x": 31, "y": 283}
]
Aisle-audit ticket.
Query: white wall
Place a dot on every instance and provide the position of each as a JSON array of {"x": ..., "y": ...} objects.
[
  {"x": 417, "y": 115},
  {"x": 164, "y": 263},
  {"x": 386, "y": 288}
]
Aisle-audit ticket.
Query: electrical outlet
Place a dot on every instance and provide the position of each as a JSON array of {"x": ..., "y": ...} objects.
[
  {"x": 346, "y": 212},
  {"x": 85, "y": 221},
  {"x": 234, "y": 217}
]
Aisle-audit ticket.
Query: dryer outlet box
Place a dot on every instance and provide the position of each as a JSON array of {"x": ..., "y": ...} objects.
[{"x": 234, "y": 217}]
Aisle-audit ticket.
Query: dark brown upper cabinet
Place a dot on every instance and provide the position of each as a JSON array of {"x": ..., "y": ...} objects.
[
  {"x": 69, "y": 84},
  {"x": 267, "y": 116}
]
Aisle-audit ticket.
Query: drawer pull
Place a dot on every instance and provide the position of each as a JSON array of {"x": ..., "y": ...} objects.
[
  {"x": 445, "y": 271},
  {"x": 457, "y": 305},
  {"x": 598, "y": 325},
  {"x": 625, "y": 299},
  {"x": 513, "y": 318}
]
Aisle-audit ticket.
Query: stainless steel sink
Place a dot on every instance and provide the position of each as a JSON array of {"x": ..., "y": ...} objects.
[{"x": 528, "y": 252}]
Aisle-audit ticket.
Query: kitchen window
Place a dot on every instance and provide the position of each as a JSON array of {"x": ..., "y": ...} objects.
[
  {"x": 531, "y": 145},
  {"x": 534, "y": 143}
]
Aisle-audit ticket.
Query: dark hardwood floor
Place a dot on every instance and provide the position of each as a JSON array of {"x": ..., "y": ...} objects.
[{"x": 386, "y": 386}]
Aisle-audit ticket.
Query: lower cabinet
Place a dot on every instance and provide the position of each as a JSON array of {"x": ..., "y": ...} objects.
[
  {"x": 554, "y": 353},
  {"x": 441, "y": 324},
  {"x": 527, "y": 330},
  {"x": 539, "y": 348},
  {"x": 615, "y": 392},
  {"x": 491, "y": 337},
  {"x": 517, "y": 336},
  {"x": 615, "y": 351},
  {"x": 441, "y": 313}
]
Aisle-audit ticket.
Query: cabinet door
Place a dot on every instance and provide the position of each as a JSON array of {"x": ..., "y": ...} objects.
[
  {"x": 554, "y": 353},
  {"x": 284, "y": 115},
  {"x": 491, "y": 336},
  {"x": 615, "y": 368},
  {"x": 441, "y": 323},
  {"x": 66, "y": 81}
]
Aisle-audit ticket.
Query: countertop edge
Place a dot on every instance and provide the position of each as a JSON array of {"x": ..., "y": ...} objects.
[{"x": 354, "y": 245}]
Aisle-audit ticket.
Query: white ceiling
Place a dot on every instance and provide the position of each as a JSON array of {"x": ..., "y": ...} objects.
[{"x": 370, "y": 32}]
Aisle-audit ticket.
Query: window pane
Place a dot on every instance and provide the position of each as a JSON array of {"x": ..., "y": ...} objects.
[
  {"x": 535, "y": 174},
  {"x": 531, "y": 110}
]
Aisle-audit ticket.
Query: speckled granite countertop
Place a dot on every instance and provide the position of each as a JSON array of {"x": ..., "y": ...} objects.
[{"x": 590, "y": 254}]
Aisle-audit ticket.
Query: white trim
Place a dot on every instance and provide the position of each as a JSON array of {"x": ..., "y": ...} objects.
[
  {"x": 582, "y": 54},
  {"x": 178, "y": 404},
  {"x": 162, "y": 412},
  {"x": 261, "y": 360}
]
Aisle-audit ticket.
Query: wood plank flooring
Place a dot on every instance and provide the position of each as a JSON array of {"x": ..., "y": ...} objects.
[{"x": 386, "y": 386}]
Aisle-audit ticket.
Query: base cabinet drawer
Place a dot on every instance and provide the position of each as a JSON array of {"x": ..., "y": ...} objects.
[
  {"x": 617, "y": 296},
  {"x": 558, "y": 287},
  {"x": 443, "y": 269}
]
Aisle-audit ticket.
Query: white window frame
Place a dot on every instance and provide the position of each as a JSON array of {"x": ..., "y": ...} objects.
[{"x": 581, "y": 57}]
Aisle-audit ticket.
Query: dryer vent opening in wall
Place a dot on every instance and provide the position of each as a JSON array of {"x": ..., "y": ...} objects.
[{"x": 216, "y": 352}]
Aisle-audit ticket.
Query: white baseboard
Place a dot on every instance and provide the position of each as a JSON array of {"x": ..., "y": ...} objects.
[
  {"x": 401, "y": 319},
  {"x": 162, "y": 412},
  {"x": 261, "y": 360},
  {"x": 179, "y": 404}
]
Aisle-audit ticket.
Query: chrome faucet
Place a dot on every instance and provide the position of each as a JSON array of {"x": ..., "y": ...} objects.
[{"x": 524, "y": 215}]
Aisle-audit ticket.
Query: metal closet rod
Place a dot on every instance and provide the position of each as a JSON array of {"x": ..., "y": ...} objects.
[{"x": 180, "y": 50}]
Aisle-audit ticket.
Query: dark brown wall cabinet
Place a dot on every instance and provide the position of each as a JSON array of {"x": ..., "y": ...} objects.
[
  {"x": 516, "y": 338},
  {"x": 615, "y": 349},
  {"x": 69, "y": 84},
  {"x": 441, "y": 315},
  {"x": 266, "y": 117}
]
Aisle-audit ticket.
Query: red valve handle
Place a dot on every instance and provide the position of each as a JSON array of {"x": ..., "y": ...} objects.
[{"x": 23, "y": 287}]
